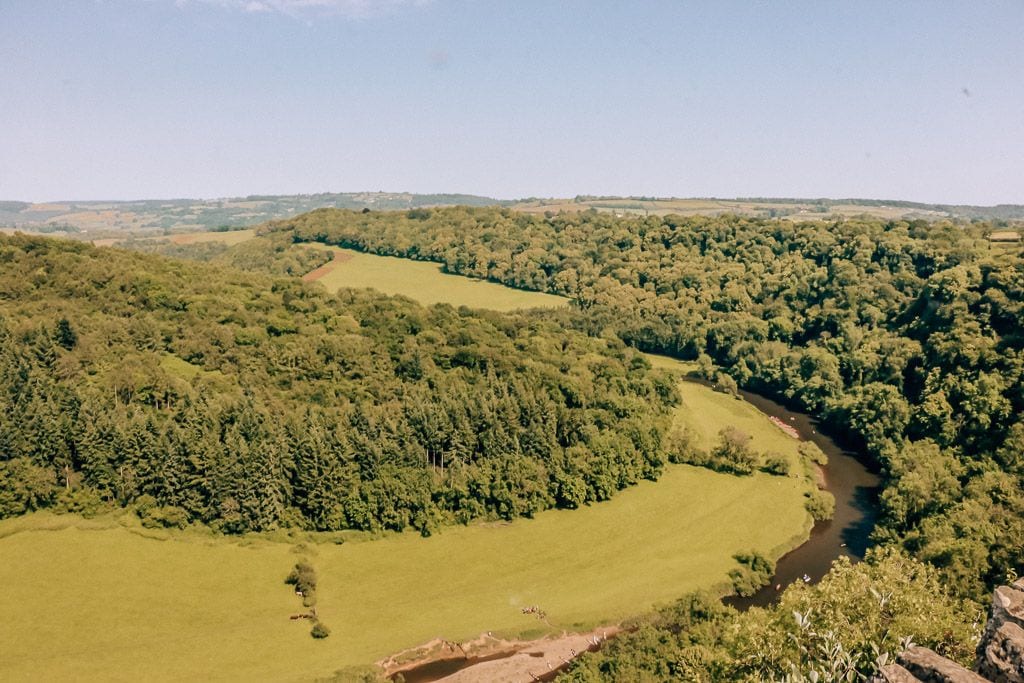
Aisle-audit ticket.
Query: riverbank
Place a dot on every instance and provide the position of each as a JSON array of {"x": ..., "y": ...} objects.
[
  {"x": 493, "y": 659},
  {"x": 855, "y": 488}
]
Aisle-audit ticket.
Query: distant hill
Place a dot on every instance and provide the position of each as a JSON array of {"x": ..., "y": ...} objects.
[
  {"x": 185, "y": 215},
  {"x": 97, "y": 219},
  {"x": 775, "y": 207}
]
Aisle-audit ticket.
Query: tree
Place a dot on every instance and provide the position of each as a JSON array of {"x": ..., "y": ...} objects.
[
  {"x": 66, "y": 335},
  {"x": 733, "y": 452}
]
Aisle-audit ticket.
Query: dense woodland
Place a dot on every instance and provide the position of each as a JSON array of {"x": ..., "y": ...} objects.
[
  {"x": 907, "y": 337},
  {"x": 199, "y": 393}
]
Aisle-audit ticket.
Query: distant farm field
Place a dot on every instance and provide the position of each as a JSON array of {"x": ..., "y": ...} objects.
[
  {"x": 98, "y": 601},
  {"x": 424, "y": 282},
  {"x": 228, "y": 237}
]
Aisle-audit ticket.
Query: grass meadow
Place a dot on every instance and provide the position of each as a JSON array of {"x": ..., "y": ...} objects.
[
  {"x": 107, "y": 600},
  {"x": 424, "y": 282},
  {"x": 228, "y": 237}
]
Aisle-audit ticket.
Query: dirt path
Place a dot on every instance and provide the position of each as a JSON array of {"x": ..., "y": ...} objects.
[
  {"x": 339, "y": 258},
  {"x": 493, "y": 659}
]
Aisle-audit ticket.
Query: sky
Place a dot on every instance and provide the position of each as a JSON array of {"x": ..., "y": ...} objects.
[{"x": 132, "y": 99}]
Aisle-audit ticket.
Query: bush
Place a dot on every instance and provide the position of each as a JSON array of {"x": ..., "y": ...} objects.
[
  {"x": 166, "y": 517},
  {"x": 303, "y": 577},
  {"x": 726, "y": 384},
  {"x": 821, "y": 505},
  {"x": 754, "y": 571},
  {"x": 25, "y": 486},
  {"x": 319, "y": 630},
  {"x": 733, "y": 452},
  {"x": 85, "y": 501},
  {"x": 809, "y": 449},
  {"x": 144, "y": 504},
  {"x": 776, "y": 463},
  {"x": 680, "y": 447}
]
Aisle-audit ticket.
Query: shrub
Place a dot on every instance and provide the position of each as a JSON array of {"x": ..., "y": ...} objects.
[
  {"x": 25, "y": 486},
  {"x": 821, "y": 505},
  {"x": 303, "y": 577},
  {"x": 754, "y": 571},
  {"x": 167, "y": 517},
  {"x": 726, "y": 384},
  {"x": 809, "y": 449},
  {"x": 319, "y": 630},
  {"x": 733, "y": 452},
  {"x": 85, "y": 501},
  {"x": 776, "y": 463},
  {"x": 144, "y": 504},
  {"x": 680, "y": 447}
]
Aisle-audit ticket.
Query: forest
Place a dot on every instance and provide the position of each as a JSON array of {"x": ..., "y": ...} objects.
[
  {"x": 197, "y": 393},
  {"x": 905, "y": 337}
]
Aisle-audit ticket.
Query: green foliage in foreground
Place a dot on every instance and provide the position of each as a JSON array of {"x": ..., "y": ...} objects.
[
  {"x": 211, "y": 395},
  {"x": 844, "y": 628}
]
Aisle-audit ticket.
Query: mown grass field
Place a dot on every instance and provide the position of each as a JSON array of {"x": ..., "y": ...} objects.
[
  {"x": 90, "y": 600},
  {"x": 706, "y": 412},
  {"x": 424, "y": 282}
]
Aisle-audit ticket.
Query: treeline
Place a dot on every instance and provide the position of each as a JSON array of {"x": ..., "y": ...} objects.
[
  {"x": 202, "y": 394},
  {"x": 270, "y": 254},
  {"x": 905, "y": 335}
]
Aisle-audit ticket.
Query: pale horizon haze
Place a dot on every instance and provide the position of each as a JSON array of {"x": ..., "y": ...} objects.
[{"x": 138, "y": 99}]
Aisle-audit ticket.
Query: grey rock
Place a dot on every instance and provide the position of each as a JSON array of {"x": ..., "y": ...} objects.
[
  {"x": 894, "y": 673},
  {"x": 1002, "y": 658},
  {"x": 930, "y": 667}
]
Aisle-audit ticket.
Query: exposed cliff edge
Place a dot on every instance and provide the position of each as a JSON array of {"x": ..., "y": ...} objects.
[{"x": 1000, "y": 651}]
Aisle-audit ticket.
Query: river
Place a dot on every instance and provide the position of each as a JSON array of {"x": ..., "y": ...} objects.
[{"x": 855, "y": 488}]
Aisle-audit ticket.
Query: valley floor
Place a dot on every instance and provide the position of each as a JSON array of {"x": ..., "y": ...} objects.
[{"x": 98, "y": 600}]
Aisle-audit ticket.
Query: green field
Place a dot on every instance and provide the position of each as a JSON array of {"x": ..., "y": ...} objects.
[
  {"x": 710, "y": 410},
  {"x": 424, "y": 282},
  {"x": 97, "y": 600}
]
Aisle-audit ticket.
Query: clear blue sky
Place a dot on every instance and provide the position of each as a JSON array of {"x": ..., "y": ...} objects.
[{"x": 122, "y": 99}]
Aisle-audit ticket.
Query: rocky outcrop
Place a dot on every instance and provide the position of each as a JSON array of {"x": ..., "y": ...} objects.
[
  {"x": 1000, "y": 651},
  {"x": 894, "y": 673},
  {"x": 927, "y": 666},
  {"x": 1003, "y": 658}
]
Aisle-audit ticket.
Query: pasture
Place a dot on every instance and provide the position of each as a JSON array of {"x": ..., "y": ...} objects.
[
  {"x": 107, "y": 600},
  {"x": 228, "y": 237},
  {"x": 424, "y": 282}
]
